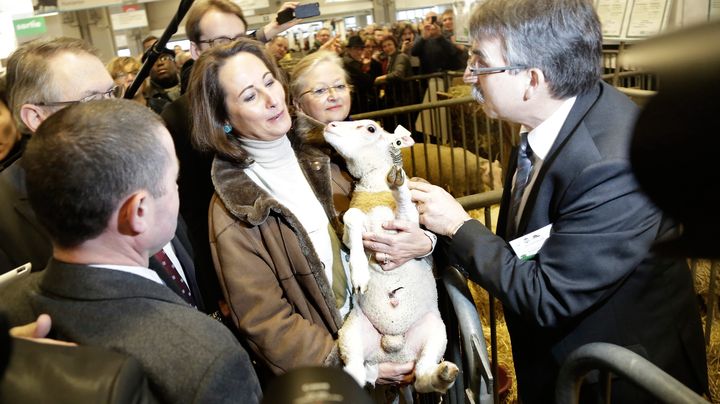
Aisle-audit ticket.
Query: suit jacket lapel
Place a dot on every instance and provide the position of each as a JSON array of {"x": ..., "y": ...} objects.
[
  {"x": 582, "y": 105},
  {"x": 503, "y": 226}
]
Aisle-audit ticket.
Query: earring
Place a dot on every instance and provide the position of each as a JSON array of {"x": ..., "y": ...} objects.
[{"x": 227, "y": 128}]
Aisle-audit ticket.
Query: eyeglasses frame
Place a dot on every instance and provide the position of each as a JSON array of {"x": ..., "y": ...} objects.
[
  {"x": 111, "y": 93},
  {"x": 335, "y": 89}
]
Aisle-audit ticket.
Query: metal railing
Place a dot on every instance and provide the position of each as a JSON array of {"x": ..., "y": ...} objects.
[
  {"x": 622, "y": 362},
  {"x": 457, "y": 146}
]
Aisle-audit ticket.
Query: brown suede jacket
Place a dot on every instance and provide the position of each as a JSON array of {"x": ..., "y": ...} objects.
[{"x": 274, "y": 282}]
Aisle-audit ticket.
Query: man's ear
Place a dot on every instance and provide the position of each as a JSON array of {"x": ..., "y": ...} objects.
[
  {"x": 536, "y": 81},
  {"x": 32, "y": 116},
  {"x": 133, "y": 214},
  {"x": 194, "y": 50}
]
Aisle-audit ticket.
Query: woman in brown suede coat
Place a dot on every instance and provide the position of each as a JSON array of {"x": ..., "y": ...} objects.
[{"x": 273, "y": 225}]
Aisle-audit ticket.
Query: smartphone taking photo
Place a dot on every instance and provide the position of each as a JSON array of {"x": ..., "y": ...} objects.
[{"x": 301, "y": 11}]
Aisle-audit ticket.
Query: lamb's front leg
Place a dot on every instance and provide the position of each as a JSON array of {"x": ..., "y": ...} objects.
[
  {"x": 359, "y": 267},
  {"x": 406, "y": 209}
]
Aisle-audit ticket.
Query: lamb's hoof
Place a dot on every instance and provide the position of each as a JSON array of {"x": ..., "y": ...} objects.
[
  {"x": 357, "y": 373},
  {"x": 360, "y": 283},
  {"x": 445, "y": 373}
]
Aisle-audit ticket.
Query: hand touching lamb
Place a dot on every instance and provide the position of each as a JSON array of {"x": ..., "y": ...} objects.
[{"x": 395, "y": 317}]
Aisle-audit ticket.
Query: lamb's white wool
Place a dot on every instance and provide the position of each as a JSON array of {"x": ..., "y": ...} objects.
[{"x": 396, "y": 318}]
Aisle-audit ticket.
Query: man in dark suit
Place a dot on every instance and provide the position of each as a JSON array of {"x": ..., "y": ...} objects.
[
  {"x": 97, "y": 287},
  {"x": 45, "y": 76},
  {"x": 572, "y": 262}
]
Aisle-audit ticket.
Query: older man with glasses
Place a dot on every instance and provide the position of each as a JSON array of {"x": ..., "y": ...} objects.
[
  {"x": 573, "y": 261},
  {"x": 45, "y": 76}
]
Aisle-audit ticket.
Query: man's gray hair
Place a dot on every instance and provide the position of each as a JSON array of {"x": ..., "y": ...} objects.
[
  {"x": 29, "y": 72},
  {"x": 560, "y": 37},
  {"x": 84, "y": 159}
]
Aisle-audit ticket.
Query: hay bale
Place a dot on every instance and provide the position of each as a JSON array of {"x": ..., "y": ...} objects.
[
  {"x": 702, "y": 288},
  {"x": 702, "y": 277},
  {"x": 482, "y": 303},
  {"x": 504, "y": 349},
  {"x": 713, "y": 360}
]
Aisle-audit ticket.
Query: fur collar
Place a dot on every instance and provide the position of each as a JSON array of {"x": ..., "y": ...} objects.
[{"x": 251, "y": 204}]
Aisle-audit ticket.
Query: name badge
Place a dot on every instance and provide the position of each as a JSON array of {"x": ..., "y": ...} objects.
[{"x": 527, "y": 246}]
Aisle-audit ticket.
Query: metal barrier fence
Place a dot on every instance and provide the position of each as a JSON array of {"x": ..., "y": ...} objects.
[
  {"x": 455, "y": 141},
  {"x": 457, "y": 146}
]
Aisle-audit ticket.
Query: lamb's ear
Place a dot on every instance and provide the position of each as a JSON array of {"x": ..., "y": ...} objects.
[
  {"x": 404, "y": 135},
  {"x": 309, "y": 129}
]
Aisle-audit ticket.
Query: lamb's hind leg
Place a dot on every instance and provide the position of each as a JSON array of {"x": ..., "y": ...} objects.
[
  {"x": 356, "y": 340},
  {"x": 431, "y": 374}
]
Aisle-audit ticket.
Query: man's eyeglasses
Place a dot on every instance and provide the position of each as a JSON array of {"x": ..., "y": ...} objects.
[
  {"x": 221, "y": 40},
  {"x": 321, "y": 92},
  {"x": 165, "y": 58},
  {"x": 479, "y": 71},
  {"x": 113, "y": 92}
]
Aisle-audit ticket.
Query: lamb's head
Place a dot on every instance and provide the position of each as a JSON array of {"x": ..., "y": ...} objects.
[{"x": 367, "y": 147}]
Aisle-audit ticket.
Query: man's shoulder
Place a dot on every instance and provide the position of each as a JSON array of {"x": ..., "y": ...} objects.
[
  {"x": 11, "y": 178},
  {"x": 613, "y": 111},
  {"x": 16, "y": 297},
  {"x": 177, "y": 112}
]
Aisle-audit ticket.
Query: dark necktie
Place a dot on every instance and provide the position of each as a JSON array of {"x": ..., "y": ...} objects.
[
  {"x": 170, "y": 269},
  {"x": 522, "y": 176}
]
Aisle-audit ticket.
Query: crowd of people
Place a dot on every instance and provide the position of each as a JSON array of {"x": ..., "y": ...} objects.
[{"x": 197, "y": 228}]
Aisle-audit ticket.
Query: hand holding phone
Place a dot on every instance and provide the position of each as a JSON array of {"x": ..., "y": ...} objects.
[{"x": 301, "y": 11}]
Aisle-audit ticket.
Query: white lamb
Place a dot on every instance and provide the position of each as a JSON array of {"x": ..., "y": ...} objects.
[{"x": 396, "y": 316}]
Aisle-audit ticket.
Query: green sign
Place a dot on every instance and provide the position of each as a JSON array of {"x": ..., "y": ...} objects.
[{"x": 30, "y": 26}]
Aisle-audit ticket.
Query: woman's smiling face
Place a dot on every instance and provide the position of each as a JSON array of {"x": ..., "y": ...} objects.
[{"x": 254, "y": 99}]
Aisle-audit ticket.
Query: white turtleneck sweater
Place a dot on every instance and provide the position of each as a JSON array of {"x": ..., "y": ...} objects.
[{"x": 277, "y": 171}]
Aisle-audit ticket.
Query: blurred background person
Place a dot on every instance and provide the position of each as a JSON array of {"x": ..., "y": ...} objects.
[
  {"x": 436, "y": 52},
  {"x": 362, "y": 82},
  {"x": 123, "y": 70},
  {"x": 278, "y": 48},
  {"x": 448, "y": 31},
  {"x": 148, "y": 42},
  {"x": 398, "y": 65},
  {"x": 321, "y": 37},
  {"x": 163, "y": 86},
  {"x": 407, "y": 34}
]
